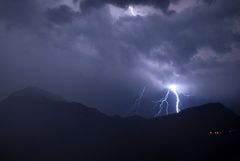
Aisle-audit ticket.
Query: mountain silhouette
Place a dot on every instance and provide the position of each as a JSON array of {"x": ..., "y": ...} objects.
[
  {"x": 38, "y": 125},
  {"x": 33, "y": 95}
]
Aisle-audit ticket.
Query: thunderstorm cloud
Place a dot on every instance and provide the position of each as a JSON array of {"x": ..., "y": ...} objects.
[{"x": 92, "y": 51}]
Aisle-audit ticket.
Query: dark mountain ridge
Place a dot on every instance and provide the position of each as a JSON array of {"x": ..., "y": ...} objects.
[
  {"x": 32, "y": 95},
  {"x": 38, "y": 125}
]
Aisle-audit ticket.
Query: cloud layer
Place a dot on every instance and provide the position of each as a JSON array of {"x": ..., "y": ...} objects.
[{"x": 104, "y": 62}]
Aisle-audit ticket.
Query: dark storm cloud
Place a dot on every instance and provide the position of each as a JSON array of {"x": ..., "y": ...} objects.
[
  {"x": 162, "y": 4},
  {"x": 208, "y": 27},
  {"x": 191, "y": 30},
  {"x": 15, "y": 11},
  {"x": 209, "y": 1},
  {"x": 61, "y": 15}
]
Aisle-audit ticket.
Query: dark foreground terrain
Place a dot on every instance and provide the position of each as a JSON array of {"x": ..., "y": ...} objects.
[{"x": 37, "y": 126}]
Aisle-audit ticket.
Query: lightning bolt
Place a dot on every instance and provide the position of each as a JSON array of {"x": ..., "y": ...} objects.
[
  {"x": 132, "y": 11},
  {"x": 174, "y": 90},
  {"x": 137, "y": 104},
  {"x": 164, "y": 101},
  {"x": 160, "y": 103}
]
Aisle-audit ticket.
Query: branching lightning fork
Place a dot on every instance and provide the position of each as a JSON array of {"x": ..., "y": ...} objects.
[
  {"x": 164, "y": 101},
  {"x": 161, "y": 103}
]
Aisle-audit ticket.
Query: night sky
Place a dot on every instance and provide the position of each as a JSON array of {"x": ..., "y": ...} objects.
[{"x": 103, "y": 52}]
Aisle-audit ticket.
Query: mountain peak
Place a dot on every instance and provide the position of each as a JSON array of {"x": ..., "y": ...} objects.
[
  {"x": 208, "y": 108},
  {"x": 211, "y": 115},
  {"x": 33, "y": 94}
]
